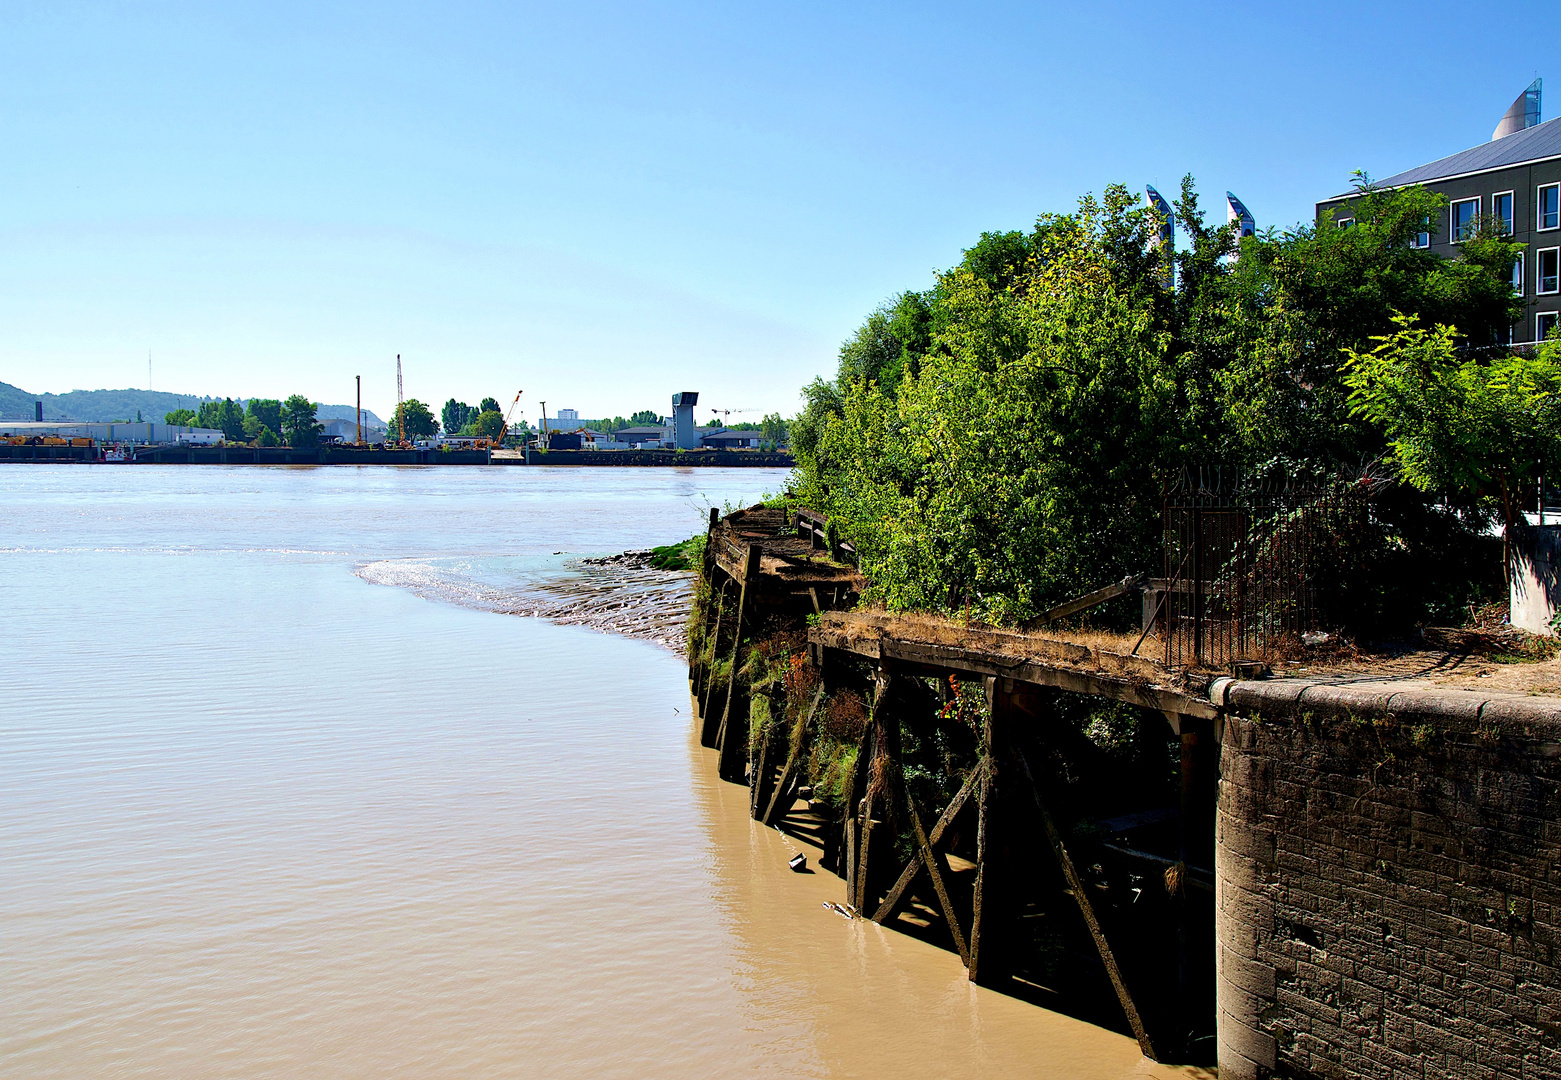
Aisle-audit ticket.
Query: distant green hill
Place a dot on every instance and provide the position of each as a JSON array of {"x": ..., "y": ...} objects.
[{"x": 102, "y": 406}]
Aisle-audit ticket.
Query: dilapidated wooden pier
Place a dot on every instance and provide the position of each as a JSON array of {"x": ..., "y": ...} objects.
[
  {"x": 1284, "y": 875},
  {"x": 927, "y": 764}
]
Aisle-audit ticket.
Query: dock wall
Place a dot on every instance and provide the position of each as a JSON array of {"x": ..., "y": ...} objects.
[
  {"x": 1386, "y": 884},
  {"x": 681, "y": 459},
  {"x": 348, "y": 455}
]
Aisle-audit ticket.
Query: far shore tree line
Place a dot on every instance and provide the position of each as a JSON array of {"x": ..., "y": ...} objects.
[
  {"x": 1002, "y": 440},
  {"x": 269, "y": 422},
  {"x": 262, "y": 422}
]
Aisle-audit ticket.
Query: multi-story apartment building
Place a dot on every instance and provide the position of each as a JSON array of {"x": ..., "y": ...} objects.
[{"x": 1515, "y": 177}]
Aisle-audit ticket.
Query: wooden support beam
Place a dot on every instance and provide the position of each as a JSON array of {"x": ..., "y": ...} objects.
[
  {"x": 1087, "y": 909},
  {"x": 785, "y": 790},
  {"x": 886, "y": 755},
  {"x": 895, "y": 900},
  {"x": 708, "y": 722},
  {"x": 759, "y": 769},
  {"x": 936, "y": 869},
  {"x": 855, "y": 791},
  {"x": 735, "y": 714},
  {"x": 1068, "y": 672},
  {"x": 1089, "y": 600},
  {"x": 994, "y": 911}
]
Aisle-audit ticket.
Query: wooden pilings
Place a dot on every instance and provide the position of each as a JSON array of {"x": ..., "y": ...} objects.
[
  {"x": 791, "y": 774},
  {"x": 732, "y": 736}
]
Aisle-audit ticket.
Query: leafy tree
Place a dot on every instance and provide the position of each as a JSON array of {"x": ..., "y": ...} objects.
[
  {"x": 490, "y": 405},
  {"x": 267, "y": 437},
  {"x": 299, "y": 427},
  {"x": 488, "y": 425},
  {"x": 1300, "y": 301},
  {"x": 1017, "y": 456},
  {"x": 644, "y": 416},
  {"x": 230, "y": 418},
  {"x": 180, "y": 417},
  {"x": 1458, "y": 424},
  {"x": 773, "y": 429},
  {"x": 456, "y": 415},
  {"x": 416, "y": 421},
  {"x": 268, "y": 411},
  {"x": 225, "y": 416}
]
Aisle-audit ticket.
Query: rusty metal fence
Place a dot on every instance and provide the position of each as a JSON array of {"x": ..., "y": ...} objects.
[{"x": 1250, "y": 568}]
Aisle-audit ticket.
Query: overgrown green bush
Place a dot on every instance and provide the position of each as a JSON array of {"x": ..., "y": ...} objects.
[{"x": 1003, "y": 440}]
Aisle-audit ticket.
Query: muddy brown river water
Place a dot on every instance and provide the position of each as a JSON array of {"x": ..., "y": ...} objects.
[{"x": 286, "y": 795}]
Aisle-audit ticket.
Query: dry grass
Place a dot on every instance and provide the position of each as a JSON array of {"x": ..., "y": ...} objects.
[{"x": 953, "y": 630}]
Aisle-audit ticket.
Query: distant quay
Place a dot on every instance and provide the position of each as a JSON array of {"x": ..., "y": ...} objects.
[
  {"x": 352, "y": 455},
  {"x": 682, "y": 459}
]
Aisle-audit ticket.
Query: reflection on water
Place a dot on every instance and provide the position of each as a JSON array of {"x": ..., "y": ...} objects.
[{"x": 267, "y": 818}]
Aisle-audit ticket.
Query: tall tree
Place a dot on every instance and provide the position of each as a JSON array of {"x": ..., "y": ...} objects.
[
  {"x": 488, "y": 425},
  {"x": 268, "y": 411},
  {"x": 418, "y": 420},
  {"x": 230, "y": 418},
  {"x": 773, "y": 429},
  {"x": 490, "y": 405},
  {"x": 645, "y": 416},
  {"x": 299, "y": 427},
  {"x": 1459, "y": 424},
  {"x": 455, "y": 415}
]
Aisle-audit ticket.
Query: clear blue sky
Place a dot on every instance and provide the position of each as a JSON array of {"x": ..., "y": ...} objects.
[{"x": 606, "y": 203}]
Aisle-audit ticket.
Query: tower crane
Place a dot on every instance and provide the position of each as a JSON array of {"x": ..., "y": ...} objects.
[{"x": 728, "y": 412}]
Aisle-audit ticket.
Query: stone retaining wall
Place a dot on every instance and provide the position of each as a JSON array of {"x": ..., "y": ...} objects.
[{"x": 1388, "y": 884}]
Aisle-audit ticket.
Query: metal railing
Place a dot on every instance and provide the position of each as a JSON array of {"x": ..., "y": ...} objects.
[{"x": 1250, "y": 569}]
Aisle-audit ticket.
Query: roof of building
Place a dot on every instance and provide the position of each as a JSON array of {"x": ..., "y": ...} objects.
[
  {"x": 1521, "y": 147},
  {"x": 630, "y": 434}
]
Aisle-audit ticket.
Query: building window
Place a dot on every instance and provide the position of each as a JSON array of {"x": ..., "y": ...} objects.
[
  {"x": 1501, "y": 206},
  {"x": 1517, "y": 275},
  {"x": 1465, "y": 212},
  {"x": 1550, "y": 206},
  {"x": 1422, "y": 239},
  {"x": 1547, "y": 271},
  {"x": 1345, "y": 223},
  {"x": 1544, "y": 325}
]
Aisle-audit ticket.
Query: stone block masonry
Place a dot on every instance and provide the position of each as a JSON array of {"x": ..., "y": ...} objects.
[{"x": 1388, "y": 893}]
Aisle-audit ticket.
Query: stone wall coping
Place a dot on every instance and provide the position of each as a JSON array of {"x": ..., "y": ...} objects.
[{"x": 1291, "y": 697}]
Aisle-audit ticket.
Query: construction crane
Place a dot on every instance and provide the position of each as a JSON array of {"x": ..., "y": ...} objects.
[
  {"x": 505, "y": 430},
  {"x": 401, "y": 420},
  {"x": 728, "y": 412}
]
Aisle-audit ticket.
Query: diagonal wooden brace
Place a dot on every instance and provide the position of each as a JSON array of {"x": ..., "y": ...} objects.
[
  {"x": 933, "y": 861},
  {"x": 1076, "y": 884},
  {"x": 897, "y": 896}
]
